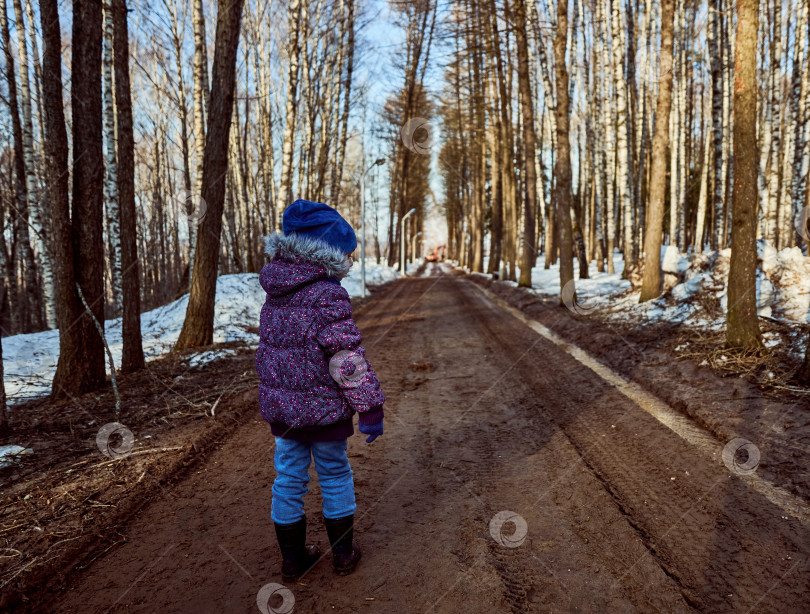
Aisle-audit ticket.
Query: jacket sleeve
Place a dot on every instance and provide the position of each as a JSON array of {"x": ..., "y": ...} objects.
[{"x": 341, "y": 340}]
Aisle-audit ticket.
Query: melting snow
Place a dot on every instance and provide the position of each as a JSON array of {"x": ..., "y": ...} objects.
[
  {"x": 29, "y": 361},
  {"x": 783, "y": 286}
]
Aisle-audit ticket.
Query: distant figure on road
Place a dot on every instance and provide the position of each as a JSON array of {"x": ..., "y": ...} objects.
[{"x": 313, "y": 377}]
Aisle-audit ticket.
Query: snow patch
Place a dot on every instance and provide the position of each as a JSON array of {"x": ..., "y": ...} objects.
[
  {"x": 29, "y": 361},
  {"x": 782, "y": 287},
  {"x": 10, "y": 454}
]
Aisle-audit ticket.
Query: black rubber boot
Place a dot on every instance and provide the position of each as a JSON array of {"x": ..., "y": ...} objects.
[
  {"x": 298, "y": 557},
  {"x": 345, "y": 551}
]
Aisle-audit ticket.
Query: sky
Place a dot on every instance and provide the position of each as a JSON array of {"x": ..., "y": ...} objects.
[{"x": 385, "y": 41}]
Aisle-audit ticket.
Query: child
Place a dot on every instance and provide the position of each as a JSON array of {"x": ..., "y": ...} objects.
[{"x": 313, "y": 378}]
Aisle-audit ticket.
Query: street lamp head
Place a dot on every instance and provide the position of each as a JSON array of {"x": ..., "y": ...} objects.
[
  {"x": 411, "y": 211},
  {"x": 379, "y": 161}
]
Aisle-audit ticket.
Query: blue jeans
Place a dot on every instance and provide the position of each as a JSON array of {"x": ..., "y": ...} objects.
[{"x": 292, "y": 476}]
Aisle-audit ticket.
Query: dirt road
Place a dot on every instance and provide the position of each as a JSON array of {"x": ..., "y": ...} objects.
[{"x": 614, "y": 511}]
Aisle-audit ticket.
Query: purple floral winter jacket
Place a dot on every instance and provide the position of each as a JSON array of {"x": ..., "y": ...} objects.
[{"x": 306, "y": 328}]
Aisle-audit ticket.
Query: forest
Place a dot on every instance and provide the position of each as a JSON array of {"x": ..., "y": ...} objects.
[
  {"x": 147, "y": 149},
  {"x": 581, "y": 276}
]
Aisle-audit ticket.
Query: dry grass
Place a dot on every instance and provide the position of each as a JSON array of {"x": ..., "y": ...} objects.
[{"x": 772, "y": 368}]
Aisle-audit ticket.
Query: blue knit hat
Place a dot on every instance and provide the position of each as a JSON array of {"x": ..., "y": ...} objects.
[{"x": 319, "y": 221}]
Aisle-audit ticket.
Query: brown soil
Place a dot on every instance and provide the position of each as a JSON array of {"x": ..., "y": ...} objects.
[
  {"x": 483, "y": 417},
  {"x": 724, "y": 396}
]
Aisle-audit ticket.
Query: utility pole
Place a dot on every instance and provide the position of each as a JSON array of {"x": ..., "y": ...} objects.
[
  {"x": 413, "y": 247},
  {"x": 377, "y": 162},
  {"x": 402, "y": 240}
]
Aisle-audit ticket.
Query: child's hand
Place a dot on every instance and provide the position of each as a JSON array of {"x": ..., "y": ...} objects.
[{"x": 372, "y": 430}]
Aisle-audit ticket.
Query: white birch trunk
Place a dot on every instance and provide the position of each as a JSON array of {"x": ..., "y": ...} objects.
[
  {"x": 802, "y": 155},
  {"x": 261, "y": 69},
  {"x": 293, "y": 53},
  {"x": 545, "y": 71},
  {"x": 624, "y": 162},
  {"x": 200, "y": 85},
  {"x": 31, "y": 180},
  {"x": 598, "y": 142},
  {"x": 110, "y": 167},
  {"x": 335, "y": 88},
  {"x": 304, "y": 167},
  {"x": 771, "y": 220},
  {"x": 683, "y": 166},
  {"x": 715, "y": 55},
  {"x": 337, "y": 178},
  {"x": 765, "y": 125},
  {"x": 726, "y": 63},
  {"x": 607, "y": 119},
  {"x": 674, "y": 127},
  {"x": 730, "y": 68},
  {"x": 704, "y": 180},
  {"x": 29, "y": 13},
  {"x": 789, "y": 160}
]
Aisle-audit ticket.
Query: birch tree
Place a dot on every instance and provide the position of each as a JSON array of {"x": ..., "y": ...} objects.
[
  {"x": 23, "y": 264},
  {"x": 200, "y": 96},
  {"x": 704, "y": 182},
  {"x": 801, "y": 73},
  {"x": 284, "y": 196},
  {"x": 713, "y": 30},
  {"x": 624, "y": 162},
  {"x": 32, "y": 187},
  {"x": 111, "y": 167},
  {"x": 772, "y": 177}
]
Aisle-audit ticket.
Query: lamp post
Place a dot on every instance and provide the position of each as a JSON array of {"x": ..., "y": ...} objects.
[
  {"x": 377, "y": 162},
  {"x": 413, "y": 246},
  {"x": 402, "y": 240}
]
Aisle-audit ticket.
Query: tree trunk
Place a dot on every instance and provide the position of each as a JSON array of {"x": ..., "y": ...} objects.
[
  {"x": 23, "y": 264},
  {"x": 562, "y": 169},
  {"x": 715, "y": 57},
  {"x": 132, "y": 357},
  {"x": 772, "y": 177},
  {"x": 624, "y": 169},
  {"x": 789, "y": 160},
  {"x": 4, "y": 428},
  {"x": 697, "y": 242},
  {"x": 527, "y": 110},
  {"x": 198, "y": 326},
  {"x": 651, "y": 282},
  {"x": 495, "y": 134},
  {"x": 509, "y": 217},
  {"x": 201, "y": 95},
  {"x": 68, "y": 307},
  {"x": 81, "y": 358},
  {"x": 727, "y": 174},
  {"x": 111, "y": 168},
  {"x": 45, "y": 299},
  {"x": 742, "y": 328},
  {"x": 294, "y": 51},
  {"x": 802, "y": 146},
  {"x": 608, "y": 131},
  {"x": 340, "y": 150}
]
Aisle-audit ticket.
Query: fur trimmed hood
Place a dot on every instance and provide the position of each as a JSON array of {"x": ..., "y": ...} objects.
[{"x": 315, "y": 251}]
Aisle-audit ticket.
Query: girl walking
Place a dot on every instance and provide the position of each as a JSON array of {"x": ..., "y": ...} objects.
[{"x": 313, "y": 377}]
